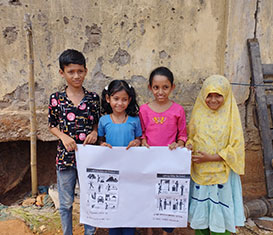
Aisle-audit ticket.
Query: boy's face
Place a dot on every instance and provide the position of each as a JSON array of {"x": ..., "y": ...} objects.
[{"x": 74, "y": 75}]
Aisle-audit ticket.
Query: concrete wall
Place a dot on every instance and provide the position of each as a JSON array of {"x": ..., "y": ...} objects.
[{"x": 126, "y": 39}]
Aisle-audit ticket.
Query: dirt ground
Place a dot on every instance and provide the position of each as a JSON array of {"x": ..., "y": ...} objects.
[
  {"x": 14, "y": 227},
  {"x": 18, "y": 227}
]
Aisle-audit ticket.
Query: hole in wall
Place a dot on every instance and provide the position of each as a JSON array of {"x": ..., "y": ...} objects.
[{"x": 15, "y": 170}]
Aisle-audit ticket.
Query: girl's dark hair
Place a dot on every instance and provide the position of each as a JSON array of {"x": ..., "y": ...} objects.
[
  {"x": 111, "y": 89},
  {"x": 163, "y": 71}
]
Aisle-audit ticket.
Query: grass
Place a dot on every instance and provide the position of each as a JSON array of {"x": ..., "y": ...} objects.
[{"x": 35, "y": 218}]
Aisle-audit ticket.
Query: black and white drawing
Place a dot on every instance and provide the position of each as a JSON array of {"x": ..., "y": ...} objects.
[
  {"x": 102, "y": 189},
  {"x": 172, "y": 193}
]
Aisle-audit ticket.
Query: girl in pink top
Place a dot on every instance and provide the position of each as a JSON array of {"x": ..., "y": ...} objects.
[{"x": 163, "y": 121}]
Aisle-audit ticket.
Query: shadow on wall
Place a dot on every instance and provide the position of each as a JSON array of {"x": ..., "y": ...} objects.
[{"x": 15, "y": 176}]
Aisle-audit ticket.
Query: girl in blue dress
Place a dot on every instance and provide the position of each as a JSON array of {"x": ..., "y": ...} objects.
[{"x": 120, "y": 126}]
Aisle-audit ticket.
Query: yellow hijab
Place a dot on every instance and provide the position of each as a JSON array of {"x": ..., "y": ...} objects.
[{"x": 218, "y": 132}]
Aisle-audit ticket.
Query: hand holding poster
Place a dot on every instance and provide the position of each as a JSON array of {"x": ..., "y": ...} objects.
[{"x": 139, "y": 187}]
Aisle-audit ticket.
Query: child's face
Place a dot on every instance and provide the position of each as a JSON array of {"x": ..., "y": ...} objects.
[
  {"x": 214, "y": 101},
  {"x": 119, "y": 101},
  {"x": 161, "y": 88},
  {"x": 74, "y": 75}
]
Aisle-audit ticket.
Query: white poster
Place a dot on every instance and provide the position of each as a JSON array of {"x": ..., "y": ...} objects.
[{"x": 139, "y": 187}]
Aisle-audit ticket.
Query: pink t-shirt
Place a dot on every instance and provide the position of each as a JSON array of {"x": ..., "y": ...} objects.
[{"x": 161, "y": 129}]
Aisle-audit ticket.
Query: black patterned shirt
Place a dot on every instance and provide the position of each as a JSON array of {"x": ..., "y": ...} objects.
[{"x": 77, "y": 122}]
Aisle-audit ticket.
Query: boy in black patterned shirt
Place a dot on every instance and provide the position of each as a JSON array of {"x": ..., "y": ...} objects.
[{"x": 73, "y": 118}]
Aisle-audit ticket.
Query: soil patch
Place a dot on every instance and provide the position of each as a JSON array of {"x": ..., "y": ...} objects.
[{"x": 13, "y": 227}]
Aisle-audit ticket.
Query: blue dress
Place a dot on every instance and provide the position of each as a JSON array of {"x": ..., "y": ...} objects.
[
  {"x": 218, "y": 207},
  {"x": 119, "y": 135}
]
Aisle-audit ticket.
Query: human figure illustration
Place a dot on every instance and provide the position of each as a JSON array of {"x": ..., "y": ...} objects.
[
  {"x": 176, "y": 185},
  {"x": 165, "y": 204},
  {"x": 180, "y": 204},
  {"x": 181, "y": 189},
  {"x": 91, "y": 186},
  {"x": 99, "y": 188},
  {"x": 93, "y": 195},
  {"x": 175, "y": 204},
  {"x": 160, "y": 204},
  {"x": 159, "y": 188}
]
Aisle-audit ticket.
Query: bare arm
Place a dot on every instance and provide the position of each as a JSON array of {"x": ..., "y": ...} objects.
[
  {"x": 205, "y": 157},
  {"x": 68, "y": 142}
]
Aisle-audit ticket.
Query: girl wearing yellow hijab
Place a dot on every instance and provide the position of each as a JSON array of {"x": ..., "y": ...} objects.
[{"x": 218, "y": 158}]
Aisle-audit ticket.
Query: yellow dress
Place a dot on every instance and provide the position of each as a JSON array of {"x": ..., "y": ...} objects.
[
  {"x": 218, "y": 132},
  {"x": 216, "y": 194}
]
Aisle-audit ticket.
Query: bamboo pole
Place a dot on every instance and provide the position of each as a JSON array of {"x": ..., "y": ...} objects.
[{"x": 31, "y": 88}]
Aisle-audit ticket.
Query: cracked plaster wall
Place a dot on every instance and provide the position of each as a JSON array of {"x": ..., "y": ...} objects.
[{"x": 125, "y": 40}]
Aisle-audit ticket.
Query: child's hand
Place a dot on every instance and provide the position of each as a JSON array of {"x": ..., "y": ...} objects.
[
  {"x": 205, "y": 157},
  {"x": 133, "y": 143},
  {"x": 69, "y": 143},
  {"x": 189, "y": 147},
  {"x": 91, "y": 138},
  {"x": 144, "y": 143},
  {"x": 106, "y": 145},
  {"x": 175, "y": 145}
]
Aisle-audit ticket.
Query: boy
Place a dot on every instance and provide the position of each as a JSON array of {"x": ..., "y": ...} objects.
[{"x": 76, "y": 113}]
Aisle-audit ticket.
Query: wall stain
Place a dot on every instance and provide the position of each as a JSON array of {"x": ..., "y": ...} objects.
[
  {"x": 97, "y": 75},
  {"x": 10, "y": 34},
  {"x": 163, "y": 55},
  {"x": 18, "y": 98},
  {"x": 66, "y": 20},
  {"x": 94, "y": 36},
  {"x": 121, "y": 57},
  {"x": 15, "y": 2}
]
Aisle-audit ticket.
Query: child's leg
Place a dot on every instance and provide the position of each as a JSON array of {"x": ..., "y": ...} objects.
[
  {"x": 208, "y": 232},
  {"x": 89, "y": 230},
  {"x": 225, "y": 233},
  {"x": 115, "y": 231},
  {"x": 122, "y": 231},
  {"x": 66, "y": 181},
  {"x": 149, "y": 231},
  {"x": 128, "y": 231},
  {"x": 167, "y": 230}
]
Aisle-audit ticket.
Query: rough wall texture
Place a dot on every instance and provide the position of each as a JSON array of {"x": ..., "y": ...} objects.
[{"x": 125, "y": 40}]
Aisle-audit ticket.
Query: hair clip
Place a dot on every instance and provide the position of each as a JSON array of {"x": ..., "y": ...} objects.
[
  {"x": 106, "y": 88},
  {"x": 129, "y": 86}
]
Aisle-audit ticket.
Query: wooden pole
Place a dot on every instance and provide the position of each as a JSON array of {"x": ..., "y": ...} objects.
[{"x": 33, "y": 126}]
